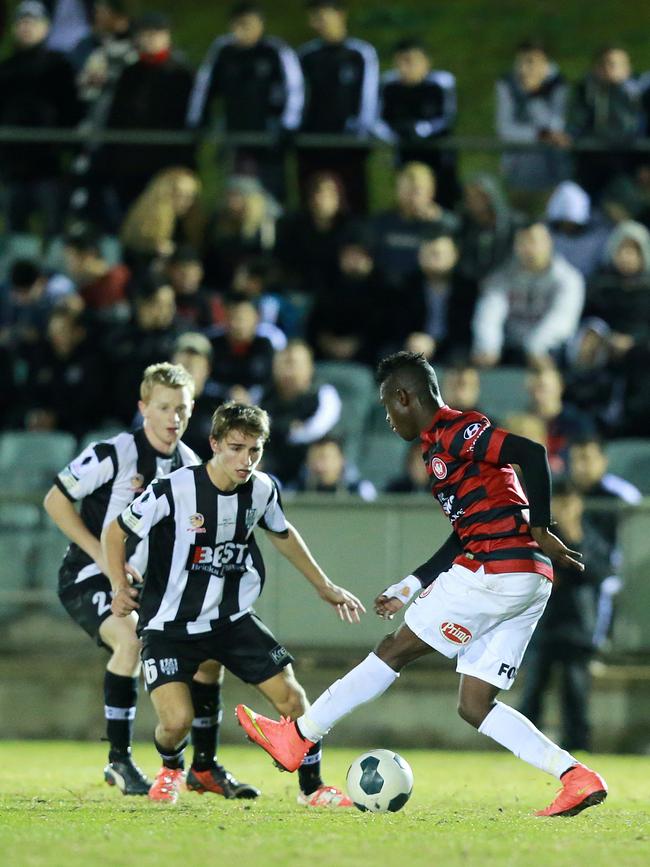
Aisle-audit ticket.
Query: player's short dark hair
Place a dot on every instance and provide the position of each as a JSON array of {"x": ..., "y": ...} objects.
[
  {"x": 532, "y": 44},
  {"x": 410, "y": 43},
  {"x": 23, "y": 274},
  {"x": 233, "y": 299},
  {"x": 328, "y": 439},
  {"x": 250, "y": 420},
  {"x": 245, "y": 7},
  {"x": 326, "y": 4},
  {"x": 415, "y": 365},
  {"x": 83, "y": 237}
]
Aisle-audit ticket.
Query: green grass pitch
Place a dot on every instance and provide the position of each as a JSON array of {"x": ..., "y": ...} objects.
[{"x": 466, "y": 809}]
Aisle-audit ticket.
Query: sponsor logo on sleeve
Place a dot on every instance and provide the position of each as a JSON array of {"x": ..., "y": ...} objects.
[
  {"x": 131, "y": 520},
  {"x": 439, "y": 468},
  {"x": 278, "y": 654},
  {"x": 455, "y": 633},
  {"x": 471, "y": 430}
]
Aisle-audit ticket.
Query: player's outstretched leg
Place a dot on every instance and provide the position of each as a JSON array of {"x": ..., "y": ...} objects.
[{"x": 206, "y": 774}]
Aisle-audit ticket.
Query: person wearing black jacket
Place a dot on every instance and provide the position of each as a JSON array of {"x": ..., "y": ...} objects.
[
  {"x": 259, "y": 81},
  {"x": 37, "y": 89},
  {"x": 564, "y": 637},
  {"x": 417, "y": 104},
  {"x": 151, "y": 93},
  {"x": 342, "y": 81}
]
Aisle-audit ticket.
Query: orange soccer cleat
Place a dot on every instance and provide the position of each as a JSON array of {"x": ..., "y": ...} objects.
[
  {"x": 581, "y": 788},
  {"x": 281, "y": 740},
  {"x": 167, "y": 785},
  {"x": 219, "y": 781},
  {"x": 325, "y": 796}
]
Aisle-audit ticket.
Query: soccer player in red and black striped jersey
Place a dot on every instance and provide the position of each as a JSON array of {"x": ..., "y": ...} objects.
[{"x": 480, "y": 595}]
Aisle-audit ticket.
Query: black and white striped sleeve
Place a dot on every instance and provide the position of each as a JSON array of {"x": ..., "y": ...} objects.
[
  {"x": 147, "y": 510},
  {"x": 274, "y": 519},
  {"x": 94, "y": 467}
]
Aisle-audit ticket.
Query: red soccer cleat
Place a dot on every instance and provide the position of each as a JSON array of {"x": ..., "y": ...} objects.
[
  {"x": 325, "y": 796},
  {"x": 581, "y": 788},
  {"x": 219, "y": 781},
  {"x": 281, "y": 740},
  {"x": 167, "y": 785}
]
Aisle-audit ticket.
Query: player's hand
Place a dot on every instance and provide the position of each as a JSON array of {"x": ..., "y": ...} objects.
[
  {"x": 387, "y": 606},
  {"x": 125, "y": 600},
  {"x": 348, "y": 607},
  {"x": 133, "y": 576},
  {"x": 556, "y": 549}
]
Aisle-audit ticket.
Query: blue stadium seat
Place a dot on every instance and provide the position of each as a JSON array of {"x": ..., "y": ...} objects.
[
  {"x": 29, "y": 460},
  {"x": 503, "y": 391},
  {"x": 19, "y": 549},
  {"x": 383, "y": 457},
  {"x": 356, "y": 387},
  {"x": 630, "y": 459}
]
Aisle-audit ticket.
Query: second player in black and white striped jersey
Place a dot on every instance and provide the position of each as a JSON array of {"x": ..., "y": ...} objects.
[{"x": 205, "y": 567}]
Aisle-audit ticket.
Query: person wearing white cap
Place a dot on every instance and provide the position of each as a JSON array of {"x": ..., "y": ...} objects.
[{"x": 579, "y": 233}]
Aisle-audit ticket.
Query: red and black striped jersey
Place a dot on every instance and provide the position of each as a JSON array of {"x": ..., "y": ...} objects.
[{"x": 482, "y": 498}]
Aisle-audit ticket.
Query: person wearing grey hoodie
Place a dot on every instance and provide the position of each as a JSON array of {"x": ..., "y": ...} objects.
[
  {"x": 531, "y": 103},
  {"x": 619, "y": 292},
  {"x": 579, "y": 233},
  {"x": 530, "y": 306}
]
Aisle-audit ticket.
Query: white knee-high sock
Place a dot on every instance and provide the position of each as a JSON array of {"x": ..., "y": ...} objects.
[
  {"x": 512, "y": 730},
  {"x": 368, "y": 680}
]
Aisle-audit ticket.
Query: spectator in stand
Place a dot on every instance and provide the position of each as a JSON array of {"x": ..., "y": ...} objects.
[
  {"x": 150, "y": 94},
  {"x": 163, "y": 216},
  {"x": 588, "y": 474},
  {"x": 344, "y": 324},
  {"x": 415, "y": 478},
  {"x": 197, "y": 306},
  {"x": 607, "y": 108},
  {"x": 399, "y": 232},
  {"x": 281, "y": 316},
  {"x": 70, "y": 23},
  {"x": 417, "y": 105},
  {"x": 26, "y": 301},
  {"x": 308, "y": 240},
  {"x": 37, "y": 89},
  {"x": 430, "y": 312},
  {"x": 242, "y": 358},
  {"x": 564, "y": 422},
  {"x": 65, "y": 385},
  {"x": 628, "y": 197},
  {"x": 302, "y": 412},
  {"x": 577, "y": 235},
  {"x": 461, "y": 386},
  {"x": 619, "y": 292},
  {"x": 111, "y": 28},
  {"x": 342, "y": 81},
  {"x": 531, "y": 306},
  {"x": 258, "y": 77},
  {"x": 487, "y": 230},
  {"x": 243, "y": 225},
  {"x": 194, "y": 352},
  {"x": 149, "y": 338},
  {"x": 103, "y": 288},
  {"x": 564, "y": 635},
  {"x": 325, "y": 472},
  {"x": 531, "y": 106}
]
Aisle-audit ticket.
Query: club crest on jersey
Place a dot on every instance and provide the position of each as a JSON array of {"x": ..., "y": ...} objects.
[
  {"x": 137, "y": 483},
  {"x": 168, "y": 665},
  {"x": 471, "y": 430},
  {"x": 455, "y": 633},
  {"x": 196, "y": 523},
  {"x": 439, "y": 468},
  {"x": 249, "y": 519}
]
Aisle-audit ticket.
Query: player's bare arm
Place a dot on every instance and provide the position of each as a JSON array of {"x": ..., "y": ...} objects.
[
  {"x": 125, "y": 597},
  {"x": 293, "y": 547},
  {"x": 533, "y": 461},
  {"x": 68, "y": 520}
]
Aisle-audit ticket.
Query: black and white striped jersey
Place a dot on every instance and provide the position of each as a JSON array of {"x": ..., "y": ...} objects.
[
  {"x": 106, "y": 477},
  {"x": 204, "y": 568}
]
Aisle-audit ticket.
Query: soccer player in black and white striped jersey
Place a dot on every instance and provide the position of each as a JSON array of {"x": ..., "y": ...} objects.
[
  {"x": 104, "y": 479},
  {"x": 204, "y": 573}
]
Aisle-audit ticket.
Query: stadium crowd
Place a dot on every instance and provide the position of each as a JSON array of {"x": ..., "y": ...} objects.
[{"x": 113, "y": 259}]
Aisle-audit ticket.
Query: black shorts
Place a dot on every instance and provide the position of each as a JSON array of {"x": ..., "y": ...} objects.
[
  {"x": 88, "y": 603},
  {"x": 246, "y": 647}
]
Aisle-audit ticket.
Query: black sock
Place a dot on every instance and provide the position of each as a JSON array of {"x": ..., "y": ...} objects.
[
  {"x": 120, "y": 697},
  {"x": 309, "y": 772},
  {"x": 172, "y": 758},
  {"x": 206, "y": 698}
]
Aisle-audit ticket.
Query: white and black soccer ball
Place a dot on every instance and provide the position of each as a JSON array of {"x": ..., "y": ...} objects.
[{"x": 380, "y": 781}]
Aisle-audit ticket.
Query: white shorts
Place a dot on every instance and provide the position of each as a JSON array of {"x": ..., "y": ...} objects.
[{"x": 484, "y": 620}]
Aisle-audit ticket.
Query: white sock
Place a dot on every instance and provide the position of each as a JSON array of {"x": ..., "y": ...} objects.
[
  {"x": 512, "y": 730},
  {"x": 368, "y": 680}
]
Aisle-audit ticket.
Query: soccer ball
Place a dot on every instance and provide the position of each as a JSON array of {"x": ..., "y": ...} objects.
[{"x": 380, "y": 781}]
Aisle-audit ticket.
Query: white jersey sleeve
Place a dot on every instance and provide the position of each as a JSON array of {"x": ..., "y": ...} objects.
[
  {"x": 94, "y": 467},
  {"x": 147, "y": 510},
  {"x": 274, "y": 518}
]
